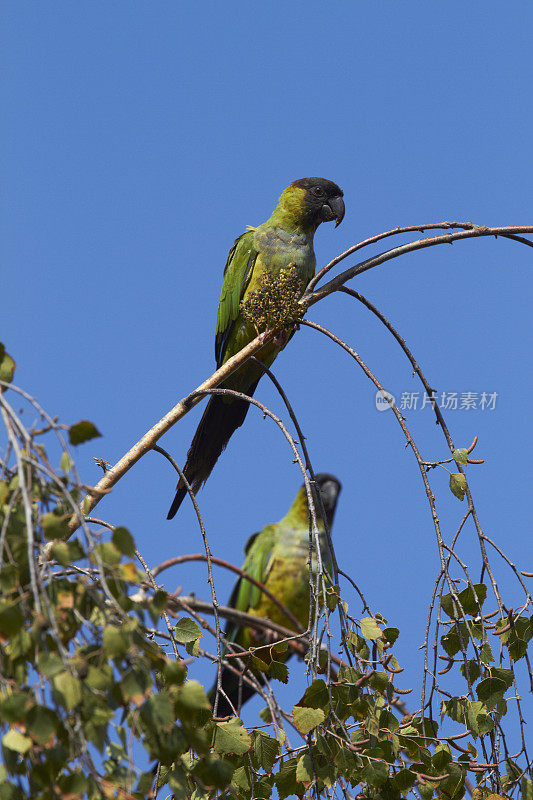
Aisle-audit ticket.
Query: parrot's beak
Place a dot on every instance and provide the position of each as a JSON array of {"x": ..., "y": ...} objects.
[
  {"x": 333, "y": 210},
  {"x": 330, "y": 488}
]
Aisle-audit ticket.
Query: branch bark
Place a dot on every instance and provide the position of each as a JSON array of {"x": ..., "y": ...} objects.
[{"x": 113, "y": 475}]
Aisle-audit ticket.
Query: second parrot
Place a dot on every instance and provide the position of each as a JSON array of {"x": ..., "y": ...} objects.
[{"x": 278, "y": 557}]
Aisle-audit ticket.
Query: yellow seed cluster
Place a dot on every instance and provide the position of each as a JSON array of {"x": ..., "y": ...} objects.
[{"x": 275, "y": 304}]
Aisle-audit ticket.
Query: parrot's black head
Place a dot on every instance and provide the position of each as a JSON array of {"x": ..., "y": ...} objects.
[
  {"x": 314, "y": 200},
  {"x": 330, "y": 488}
]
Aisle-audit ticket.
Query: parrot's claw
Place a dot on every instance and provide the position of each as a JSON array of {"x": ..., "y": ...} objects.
[{"x": 281, "y": 338}]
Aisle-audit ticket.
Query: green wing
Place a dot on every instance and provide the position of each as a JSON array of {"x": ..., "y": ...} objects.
[
  {"x": 245, "y": 595},
  {"x": 237, "y": 273}
]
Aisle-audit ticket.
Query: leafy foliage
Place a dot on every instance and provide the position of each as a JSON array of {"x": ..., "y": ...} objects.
[{"x": 96, "y": 699}]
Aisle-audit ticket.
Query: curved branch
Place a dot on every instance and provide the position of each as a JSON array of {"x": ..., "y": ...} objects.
[
  {"x": 171, "y": 562},
  {"x": 207, "y": 549},
  {"x": 411, "y": 247},
  {"x": 146, "y": 443},
  {"x": 297, "y": 641},
  {"x": 115, "y": 473},
  {"x": 430, "y": 226},
  {"x": 234, "y": 615}
]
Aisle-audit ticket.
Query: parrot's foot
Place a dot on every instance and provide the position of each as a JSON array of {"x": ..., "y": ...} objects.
[{"x": 282, "y": 336}]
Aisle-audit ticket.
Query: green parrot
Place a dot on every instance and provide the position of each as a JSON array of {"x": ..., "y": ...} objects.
[
  {"x": 283, "y": 240},
  {"x": 278, "y": 557}
]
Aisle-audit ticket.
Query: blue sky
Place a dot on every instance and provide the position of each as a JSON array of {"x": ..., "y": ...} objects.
[{"x": 142, "y": 138}]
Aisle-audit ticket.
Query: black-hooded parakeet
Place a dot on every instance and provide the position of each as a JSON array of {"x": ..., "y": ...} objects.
[
  {"x": 283, "y": 242},
  {"x": 277, "y": 557}
]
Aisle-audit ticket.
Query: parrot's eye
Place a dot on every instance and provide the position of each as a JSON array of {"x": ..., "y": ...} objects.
[{"x": 319, "y": 191}]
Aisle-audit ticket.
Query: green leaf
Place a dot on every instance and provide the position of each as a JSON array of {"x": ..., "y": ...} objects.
[
  {"x": 14, "y": 707},
  {"x": 278, "y": 671},
  {"x": 263, "y": 788},
  {"x": 485, "y": 654},
  {"x": 472, "y": 601},
  {"x": 332, "y": 597},
  {"x": 474, "y": 670},
  {"x": 306, "y": 719},
  {"x": 478, "y": 720},
  {"x": 214, "y": 772},
  {"x": 387, "y": 721},
  {"x": 108, "y": 554},
  {"x": 467, "y": 600},
  {"x": 134, "y": 686},
  {"x": 379, "y": 681},
  {"x": 11, "y": 618},
  {"x": 193, "y": 648},
  {"x": 75, "y": 550},
  {"x": 450, "y": 643},
  {"x": 82, "y": 431},
  {"x": 123, "y": 541},
  {"x": 517, "y": 648},
  {"x": 370, "y": 629},
  {"x": 50, "y": 664},
  {"x": 391, "y": 634},
  {"x": 159, "y": 602},
  {"x": 99, "y": 678},
  {"x": 358, "y": 644},
  {"x": 441, "y": 757},
  {"x": 9, "y": 577},
  {"x": 7, "y": 365},
  {"x": 316, "y": 695},
  {"x": 266, "y": 750},
  {"x": 61, "y": 552},
  {"x": 286, "y": 782},
  {"x": 231, "y": 737},
  {"x": 116, "y": 642},
  {"x": 73, "y": 785},
  {"x": 144, "y": 784},
  {"x": 279, "y": 648},
  {"x": 458, "y": 484},
  {"x": 174, "y": 672},
  {"x": 460, "y": 456},
  {"x": 452, "y": 787},
  {"x": 54, "y": 526},
  {"x": 376, "y": 773},
  {"x": 404, "y": 780},
  {"x": 14, "y": 740},
  {"x": 491, "y": 690},
  {"x": 157, "y": 712},
  {"x": 241, "y": 779},
  {"x": 506, "y": 675},
  {"x": 259, "y": 664},
  {"x": 69, "y": 689},
  {"x": 304, "y": 769},
  {"x": 186, "y": 630},
  {"x": 65, "y": 463},
  {"x": 41, "y": 724},
  {"x": 192, "y": 697},
  {"x": 526, "y": 787}
]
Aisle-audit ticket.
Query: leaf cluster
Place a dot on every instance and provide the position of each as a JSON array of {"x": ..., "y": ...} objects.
[{"x": 89, "y": 678}]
